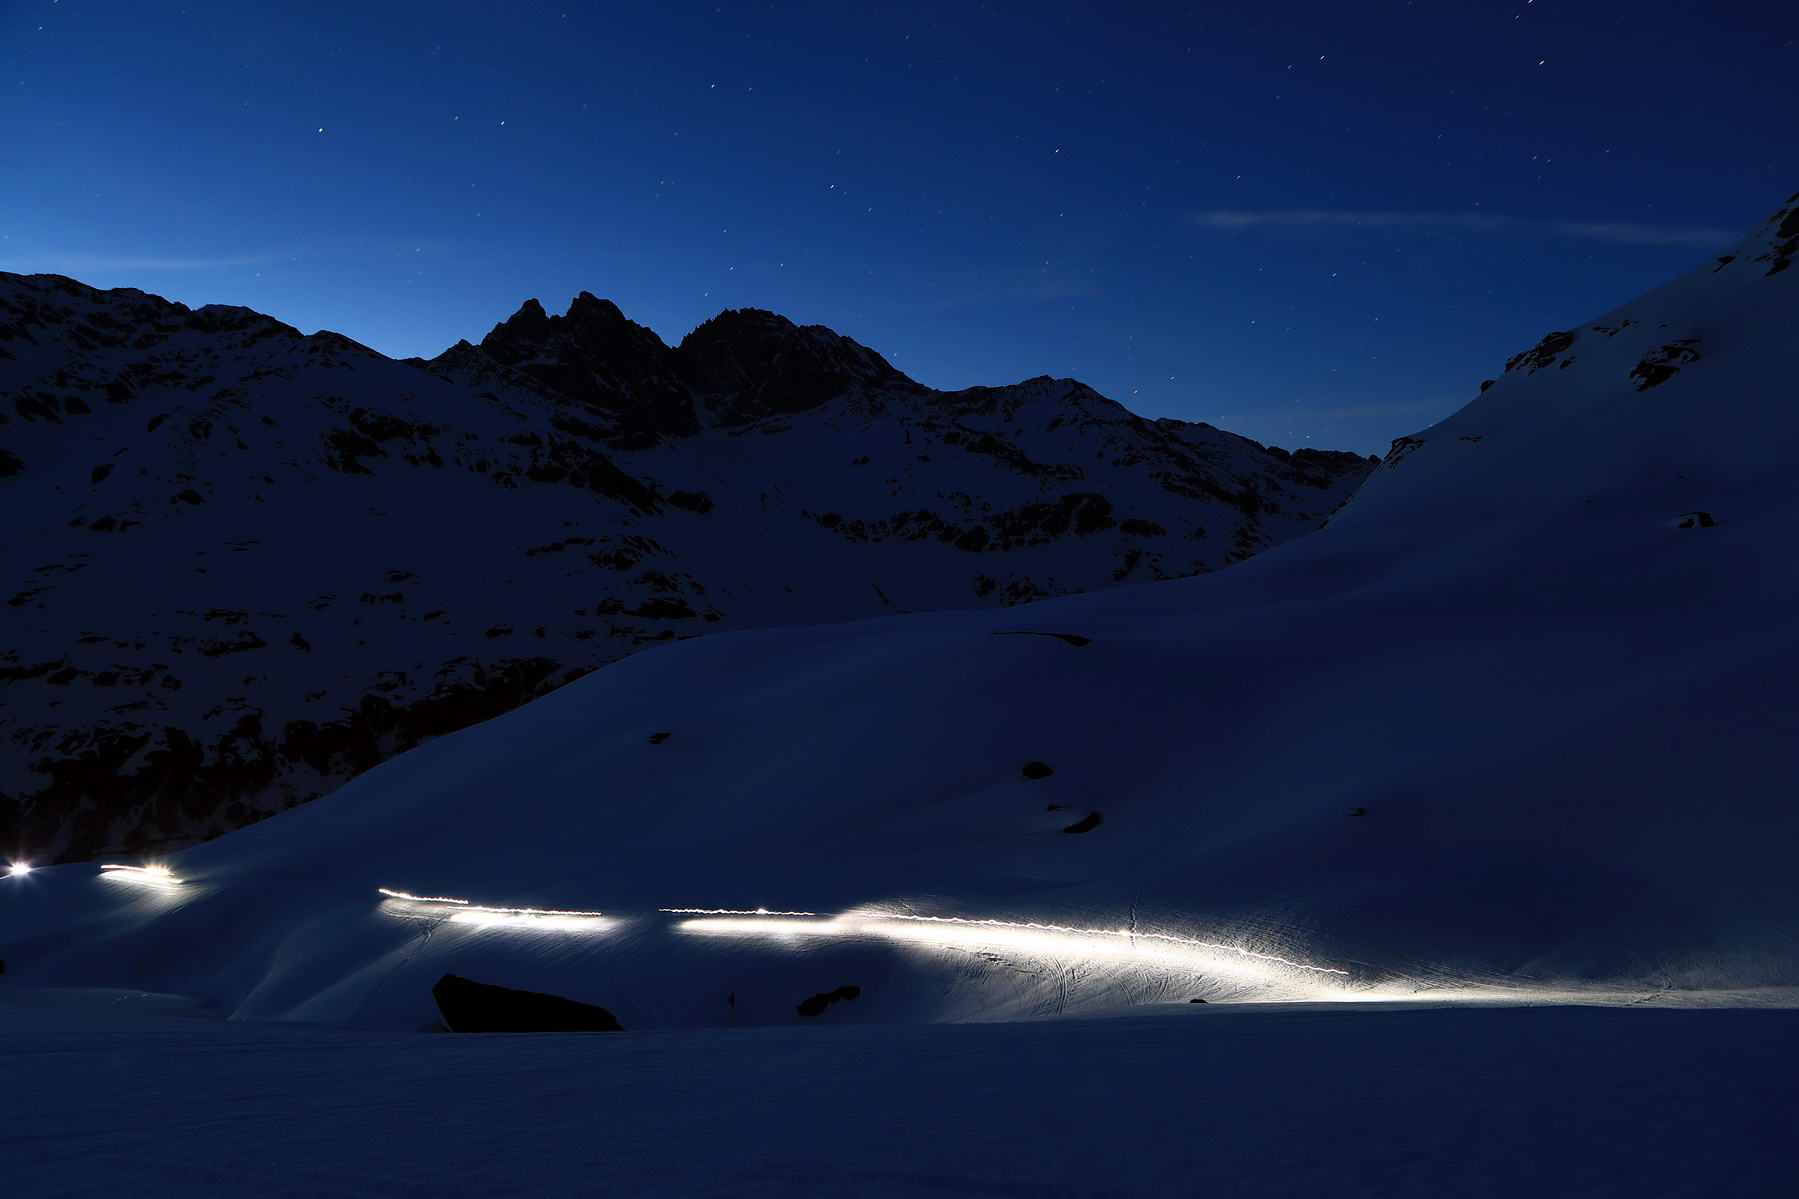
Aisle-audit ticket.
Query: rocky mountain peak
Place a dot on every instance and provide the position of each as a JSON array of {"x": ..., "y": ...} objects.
[
  {"x": 621, "y": 372},
  {"x": 750, "y": 363},
  {"x": 519, "y": 336},
  {"x": 587, "y": 310}
]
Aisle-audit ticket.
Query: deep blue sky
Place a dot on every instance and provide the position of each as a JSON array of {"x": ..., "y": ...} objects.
[{"x": 1317, "y": 222}]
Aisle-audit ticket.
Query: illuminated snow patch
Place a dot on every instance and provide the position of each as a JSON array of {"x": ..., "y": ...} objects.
[
  {"x": 465, "y": 912},
  {"x": 150, "y": 876},
  {"x": 731, "y": 912},
  {"x": 1118, "y": 933},
  {"x": 768, "y": 924},
  {"x": 526, "y": 919},
  {"x": 1025, "y": 934},
  {"x": 417, "y": 898}
]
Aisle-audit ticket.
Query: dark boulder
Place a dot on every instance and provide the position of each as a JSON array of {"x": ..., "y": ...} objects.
[
  {"x": 816, "y": 1004},
  {"x": 1074, "y": 639},
  {"x": 1036, "y": 770},
  {"x": 469, "y": 1006}
]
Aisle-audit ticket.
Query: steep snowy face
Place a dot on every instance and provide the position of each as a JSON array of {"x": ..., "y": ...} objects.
[
  {"x": 1520, "y": 717},
  {"x": 247, "y": 565},
  {"x": 1681, "y": 398}
]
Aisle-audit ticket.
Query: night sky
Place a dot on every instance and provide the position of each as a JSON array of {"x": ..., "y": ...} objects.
[{"x": 1312, "y": 223}]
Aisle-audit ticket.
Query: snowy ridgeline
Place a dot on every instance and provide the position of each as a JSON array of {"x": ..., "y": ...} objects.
[{"x": 1518, "y": 719}]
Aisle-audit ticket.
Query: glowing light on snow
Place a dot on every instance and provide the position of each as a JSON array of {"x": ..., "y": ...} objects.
[
  {"x": 535, "y": 920},
  {"x": 1121, "y": 933},
  {"x": 20, "y": 870},
  {"x": 417, "y": 898},
  {"x": 150, "y": 876},
  {"x": 731, "y": 912},
  {"x": 768, "y": 924},
  {"x": 1031, "y": 935},
  {"x": 475, "y": 913}
]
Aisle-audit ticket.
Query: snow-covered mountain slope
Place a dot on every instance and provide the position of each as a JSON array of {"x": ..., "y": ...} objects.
[
  {"x": 1519, "y": 717},
  {"x": 247, "y": 565}
]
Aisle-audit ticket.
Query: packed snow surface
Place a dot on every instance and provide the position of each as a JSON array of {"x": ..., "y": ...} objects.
[{"x": 126, "y": 1093}]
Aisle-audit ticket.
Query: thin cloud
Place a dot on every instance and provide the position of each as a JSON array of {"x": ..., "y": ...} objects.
[
  {"x": 79, "y": 263},
  {"x": 1624, "y": 233}
]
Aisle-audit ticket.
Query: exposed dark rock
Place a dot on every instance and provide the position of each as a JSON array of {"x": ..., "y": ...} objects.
[
  {"x": 1402, "y": 448},
  {"x": 816, "y": 1004},
  {"x": 1359, "y": 812},
  {"x": 1695, "y": 520},
  {"x": 751, "y": 364},
  {"x": 659, "y": 738},
  {"x": 618, "y": 371},
  {"x": 1074, "y": 639},
  {"x": 1541, "y": 354},
  {"x": 1086, "y": 824},
  {"x": 1036, "y": 770},
  {"x": 469, "y": 1006},
  {"x": 1787, "y": 246},
  {"x": 662, "y": 607},
  {"x": 1660, "y": 365}
]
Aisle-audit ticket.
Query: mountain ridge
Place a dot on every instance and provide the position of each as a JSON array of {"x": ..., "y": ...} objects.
[{"x": 331, "y": 556}]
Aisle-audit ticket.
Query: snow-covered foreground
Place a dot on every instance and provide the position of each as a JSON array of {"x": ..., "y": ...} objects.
[{"x": 106, "y": 1093}]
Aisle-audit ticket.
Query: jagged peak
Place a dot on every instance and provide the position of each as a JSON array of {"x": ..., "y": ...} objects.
[
  {"x": 752, "y": 330},
  {"x": 588, "y": 307},
  {"x": 590, "y": 325},
  {"x": 731, "y": 319}
]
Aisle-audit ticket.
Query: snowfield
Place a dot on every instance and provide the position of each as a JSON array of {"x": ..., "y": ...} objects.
[
  {"x": 108, "y": 1093},
  {"x": 1516, "y": 729}
]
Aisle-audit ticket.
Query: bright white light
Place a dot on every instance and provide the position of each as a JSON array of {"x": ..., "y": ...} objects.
[
  {"x": 486, "y": 919},
  {"x": 731, "y": 912},
  {"x": 1060, "y": 938},
  {"x": 153, "y": 876},
  {"x": 1123, "y": 933},
  {"x": 465, "y": 906},
  {"x": 769, "y": 924},
  {"x": 20, "y": 869},
  {"x": 417, "y": 898}
]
